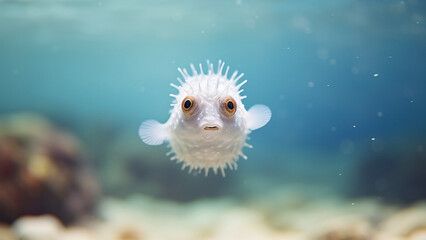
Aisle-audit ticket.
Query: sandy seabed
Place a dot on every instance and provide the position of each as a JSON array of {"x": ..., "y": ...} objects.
[{"x": 284, "y": 214}]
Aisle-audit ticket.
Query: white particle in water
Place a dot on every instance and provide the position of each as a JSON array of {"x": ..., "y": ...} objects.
[
  {"x": 379, "y": 114},
  {"x": 373, "y": 139},
  {"x": 340, "y": 174},
  {"x": 328, "y": 85},
  {"x": 411, "y": 101},
  {"x": 375, "y": 75},
  {"x": 311, "y": 84},
  {"x": 354, "y": 126},
  {"x": 353, "y": 204}
]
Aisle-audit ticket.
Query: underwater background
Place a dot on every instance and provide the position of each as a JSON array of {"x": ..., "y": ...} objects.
[{"x": 345, "y": 81}]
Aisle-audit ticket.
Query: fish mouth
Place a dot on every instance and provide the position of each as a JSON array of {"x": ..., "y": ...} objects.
[{"x": 211, "y": 128}]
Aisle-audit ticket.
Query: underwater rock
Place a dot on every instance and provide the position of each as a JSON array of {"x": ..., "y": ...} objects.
[
  {"x": 42, "y": 171},
  {"x": 48, "y": 227},
  {"x": 44, "y": 227}
]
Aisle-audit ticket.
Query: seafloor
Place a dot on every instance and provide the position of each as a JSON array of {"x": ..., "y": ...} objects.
[{"x": 287, "y": 214}]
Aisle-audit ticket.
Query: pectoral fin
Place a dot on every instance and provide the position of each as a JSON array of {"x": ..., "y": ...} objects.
[
  {"x": 152, "y": 132},
  {"x": 258, "y": 116}
]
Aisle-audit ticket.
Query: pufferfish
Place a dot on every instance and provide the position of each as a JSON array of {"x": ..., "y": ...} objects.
[{"x": 208, "y": 124}]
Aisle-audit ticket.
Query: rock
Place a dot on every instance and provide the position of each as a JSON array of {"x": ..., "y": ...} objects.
[{"x": 44, "y": 227}]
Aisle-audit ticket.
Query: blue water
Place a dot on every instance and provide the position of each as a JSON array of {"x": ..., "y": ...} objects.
[{"x": 344, "y": 79}]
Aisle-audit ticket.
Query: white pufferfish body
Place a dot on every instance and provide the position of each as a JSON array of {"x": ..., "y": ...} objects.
[{"x": 209, "y": 124}]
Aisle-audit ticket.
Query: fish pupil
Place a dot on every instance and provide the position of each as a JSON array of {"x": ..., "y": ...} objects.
[
  {"x": 187, "y": 104},
  {"x": 230, "y": 105}
]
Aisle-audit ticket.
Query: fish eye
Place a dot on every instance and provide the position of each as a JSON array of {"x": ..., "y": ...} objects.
[
  {"x": 229, "y": 107},
  {"x": 189, "y": 105}
]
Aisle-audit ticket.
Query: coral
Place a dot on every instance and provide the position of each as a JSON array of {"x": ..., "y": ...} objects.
[{"x": 42, "y": 170}]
